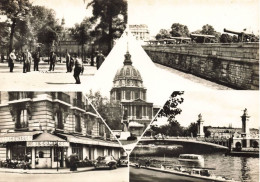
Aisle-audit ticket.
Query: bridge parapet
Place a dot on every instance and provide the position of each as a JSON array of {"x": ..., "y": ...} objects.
[{"x": 235, "y": 65}]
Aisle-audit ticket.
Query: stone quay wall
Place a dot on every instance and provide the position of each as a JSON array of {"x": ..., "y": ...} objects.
[{"x": 233, "y": 65}]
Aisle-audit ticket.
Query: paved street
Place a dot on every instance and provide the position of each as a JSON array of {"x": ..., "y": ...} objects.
[
  {"x": 101, "y": 175},
  {"x": 43, "y": 79}
]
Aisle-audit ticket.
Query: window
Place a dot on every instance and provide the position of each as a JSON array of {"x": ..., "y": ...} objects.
[
  {"x": 127, "y": 71},
  {"x": 43, "y": 152},
  {"x": 77, "y": 123},
  {"x": 139, "y": 112},
  {"x": 128, "y": 95},
  {"x": 19, "y": 151},
  {"x": 137, "y": 95},
  {"x": 101, "y": 129},
  {"x": 22, "y": 119},
  {"x": 59, "y": 120},
  {"x": 78, "y": 151},
  {"x": 118, "y": 95}
]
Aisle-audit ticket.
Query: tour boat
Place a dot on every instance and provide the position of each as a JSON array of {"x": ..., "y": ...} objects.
[
  {"x": 191, "y": 158},
  {"x": 193, "y": 174}
]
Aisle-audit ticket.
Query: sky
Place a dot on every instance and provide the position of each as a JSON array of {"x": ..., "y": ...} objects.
[
  {"x": 219, "y": 108},
  {"x": 73, "y": 11},
  {"x": 157, "y": 14},
  {"x": 231, "y": 14}
]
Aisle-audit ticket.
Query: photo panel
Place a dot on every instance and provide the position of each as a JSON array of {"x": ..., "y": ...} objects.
[
  {"x": 201, "y": 136},
  {"x": 57, "y": 133}
]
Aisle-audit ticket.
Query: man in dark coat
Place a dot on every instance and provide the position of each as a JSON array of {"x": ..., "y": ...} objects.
[
  {"x": 78, "y": 69},
  {"x": 27, "y": 57},
  {"x": 36, "y": 61},
  {"x": 100, "y": 59},
  {"x": 52, "y": 61},
  {"x": 73, "y": 162}
]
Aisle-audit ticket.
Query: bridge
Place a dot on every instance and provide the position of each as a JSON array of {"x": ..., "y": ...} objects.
[
  {"x": 221, "y": 143},
  {"x": 235, "y": 65}
]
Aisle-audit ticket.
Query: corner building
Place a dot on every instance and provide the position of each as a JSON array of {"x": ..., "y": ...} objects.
[{"x": 50, "y": 126}]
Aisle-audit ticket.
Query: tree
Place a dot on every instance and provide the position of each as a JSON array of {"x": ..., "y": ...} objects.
[
  {"x": 163, "y": 34},
  {"x": 82, "y": 32},
  {"x": 109, "y": 111},
  {"x": 225, "y": 38},
  {"x": 15, "y": 10},
  {"x": 192, "y": 130},
  {"x": 170, "y": 110},
  {"x": 179, "y": 30},
  {"x": 208, "y": 30},
  {"x": 45, "y": 26},
  {"x": 4, "y": 36},
  {"x": 111, "y": 16}
]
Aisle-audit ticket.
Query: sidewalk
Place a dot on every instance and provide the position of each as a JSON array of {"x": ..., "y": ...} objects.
[{"x": 45, "y": 171}]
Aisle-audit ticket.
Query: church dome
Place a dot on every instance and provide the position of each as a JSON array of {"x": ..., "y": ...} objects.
[{"x": 128, "y": 75}]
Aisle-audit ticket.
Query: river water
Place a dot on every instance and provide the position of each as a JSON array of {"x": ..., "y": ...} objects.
[{"x": 238, "y": 168}]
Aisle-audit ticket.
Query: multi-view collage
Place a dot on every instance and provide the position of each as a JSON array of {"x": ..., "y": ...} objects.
[{"x": 129, "y": 90}]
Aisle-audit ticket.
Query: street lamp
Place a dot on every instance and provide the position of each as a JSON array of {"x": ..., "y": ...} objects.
[{"x": 92, "y": 54}]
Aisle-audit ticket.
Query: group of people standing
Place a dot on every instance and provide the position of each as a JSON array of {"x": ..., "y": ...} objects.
[
  {"x": 27, "y": 59},
  {"x": 71, "y": 61}
]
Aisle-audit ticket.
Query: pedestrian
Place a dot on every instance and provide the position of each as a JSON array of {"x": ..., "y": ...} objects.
[
  {"x": 73, "y": 162},
  {"x": 68, "y": 62},
  {"x": 52, "y": 61},
  {"x": 27, "y": 57},
  {"x": 100, "y": 59},
  {"x": 12, "y": 58},
  {"x": 29, "y": 60},
  {"x": 36, "y": 61},
  {"x": 78, "y": 69},
  {"x": 2, "y": 58}
]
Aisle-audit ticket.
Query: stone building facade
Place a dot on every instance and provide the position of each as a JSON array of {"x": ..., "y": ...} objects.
[
  {"x": 128, "y": 89},
  {"x": 141, "y": 32},
  {"x": 49, "y": 127}
]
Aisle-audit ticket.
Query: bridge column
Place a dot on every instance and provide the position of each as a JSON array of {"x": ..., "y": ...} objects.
[{"x": 200, "y": 123}]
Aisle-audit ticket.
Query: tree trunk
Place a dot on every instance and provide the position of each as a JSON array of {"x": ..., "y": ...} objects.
[
  {"x": 110, "y": 34},
  {"x": 82, "y": 52},
  {"x": 12, "y": 35}
]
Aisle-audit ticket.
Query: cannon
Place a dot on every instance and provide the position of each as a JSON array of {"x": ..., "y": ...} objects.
[{"x": 242, "y": 36}]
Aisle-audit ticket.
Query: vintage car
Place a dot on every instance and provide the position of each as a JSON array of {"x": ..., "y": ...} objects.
[
  {"x": 123, "y": 161},
  {"x": 105, "y": 162}
]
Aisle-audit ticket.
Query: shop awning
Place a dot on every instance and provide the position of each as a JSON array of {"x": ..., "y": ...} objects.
[
  {"x": 18, "y": 136},
  {"x": 47, "y": 140},
  {"x": 90, "y": 141}
]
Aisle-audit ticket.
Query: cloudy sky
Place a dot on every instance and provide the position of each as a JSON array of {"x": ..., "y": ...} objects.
[{"x": 219, "y": 108}]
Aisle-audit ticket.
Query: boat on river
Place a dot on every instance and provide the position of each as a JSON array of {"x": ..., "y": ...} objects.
[
  {"x": 191, "y": 158},
  {"x": 193, "y": 174}
]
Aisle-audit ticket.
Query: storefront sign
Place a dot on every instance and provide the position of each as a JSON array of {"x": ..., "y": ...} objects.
[
  {"x": 46, "y": 144},
  {"x": 15, "y": 139}
]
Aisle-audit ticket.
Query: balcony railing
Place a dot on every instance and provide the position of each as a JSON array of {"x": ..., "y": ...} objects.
[
  {"x": 20, "y": 95},
  {"x": 79, "y": 104}
]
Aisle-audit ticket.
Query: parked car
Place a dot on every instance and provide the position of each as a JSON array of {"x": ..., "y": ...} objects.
[
  {"x": 123, "y": 161},
  {"x": 105, "y": 162}
]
